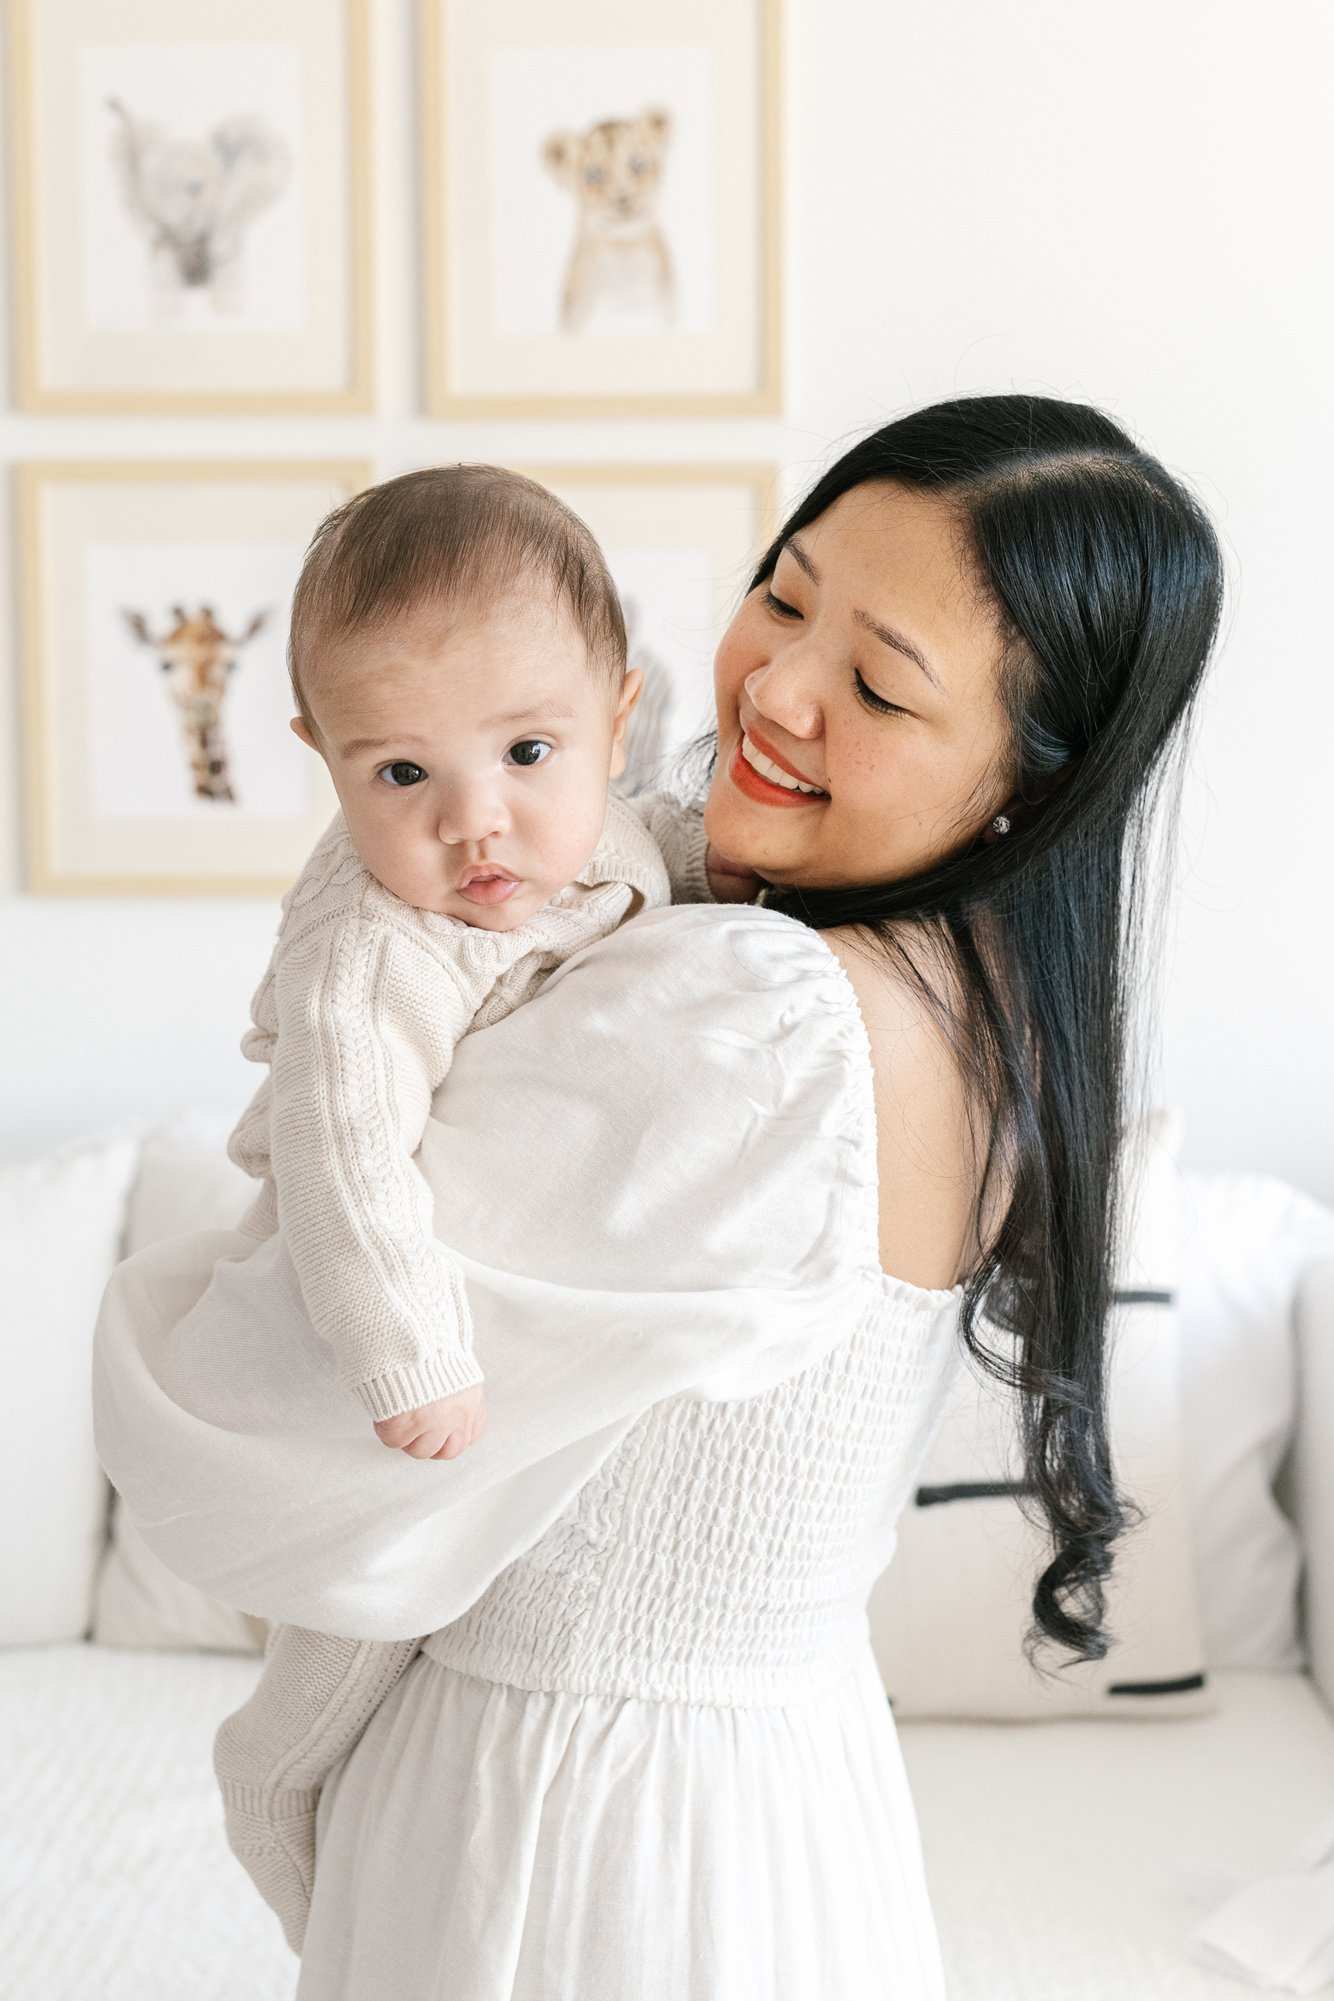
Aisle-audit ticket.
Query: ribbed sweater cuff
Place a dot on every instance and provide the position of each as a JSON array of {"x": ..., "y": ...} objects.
[
  {"x": 418, "y": 1383},
  {"x": 686, "y": 865},
  {"x": 697, "y": 875}
]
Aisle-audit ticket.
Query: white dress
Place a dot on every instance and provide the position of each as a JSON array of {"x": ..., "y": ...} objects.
[
  {"x": 644, "y": 1754},
  {"x": 655, "y": 1761}
]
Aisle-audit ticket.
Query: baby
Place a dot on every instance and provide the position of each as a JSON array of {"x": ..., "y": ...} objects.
[{"x": 458, "y": 660}]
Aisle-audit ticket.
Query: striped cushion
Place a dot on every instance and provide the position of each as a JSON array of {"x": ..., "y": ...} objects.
[{"x": 948, "y": 1616}]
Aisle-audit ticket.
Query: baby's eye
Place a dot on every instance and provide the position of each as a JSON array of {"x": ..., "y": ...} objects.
[
  {"x": 529, "y": 751},
  {"x": 401, "y": 774}
]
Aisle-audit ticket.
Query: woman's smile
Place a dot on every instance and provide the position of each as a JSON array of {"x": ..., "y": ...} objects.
[{"x": 762, "y": 775}]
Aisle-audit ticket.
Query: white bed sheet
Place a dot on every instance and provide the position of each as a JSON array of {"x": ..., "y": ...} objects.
[
  {"x": 116, "y": 1882},
  {"x": 1052, "y": 1849}
]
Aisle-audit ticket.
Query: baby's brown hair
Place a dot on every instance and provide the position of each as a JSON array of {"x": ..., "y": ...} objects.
[{"x": 449, "y": 533}]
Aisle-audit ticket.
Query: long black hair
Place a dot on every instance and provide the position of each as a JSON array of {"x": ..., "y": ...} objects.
[{"x": 1106, "y": 580}]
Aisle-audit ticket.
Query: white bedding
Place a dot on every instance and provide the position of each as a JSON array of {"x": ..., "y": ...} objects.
[
  {"x": 116, "y": 1883},
  {"x": 1052, "y": 1848}
]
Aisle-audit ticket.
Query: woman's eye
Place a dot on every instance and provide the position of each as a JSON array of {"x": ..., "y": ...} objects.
[
  {"x": 401, "y": 774},
  {"x": 777, "y": 604},
  {"x": 877, "y": 702},
  {"x": 530, "y": 751}
]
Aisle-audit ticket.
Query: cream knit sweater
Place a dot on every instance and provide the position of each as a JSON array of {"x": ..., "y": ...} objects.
[
  {"x": 357, "y": 1017},
  {"x": 319, "y": 1691}
]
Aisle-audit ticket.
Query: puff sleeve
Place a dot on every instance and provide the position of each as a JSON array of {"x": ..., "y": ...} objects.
[{"x": 659, "y": 1179}]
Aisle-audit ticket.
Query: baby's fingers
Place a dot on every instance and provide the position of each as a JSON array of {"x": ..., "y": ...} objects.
[
  {"x": 423, "y": 1446},
  {"x": 459, "y": 1441},
  {"x": 399, "y": 1431}
]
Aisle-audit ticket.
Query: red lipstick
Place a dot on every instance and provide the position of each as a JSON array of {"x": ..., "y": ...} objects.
[
  {"x": 748, "y": 780},
  {"x": 775, "y": 756}
]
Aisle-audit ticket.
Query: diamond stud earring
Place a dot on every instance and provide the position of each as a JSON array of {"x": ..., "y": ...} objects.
[{"x": 1001, "y": 824}]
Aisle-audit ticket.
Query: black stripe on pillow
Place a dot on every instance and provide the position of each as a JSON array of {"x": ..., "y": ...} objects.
[
  {"x": 1128, "y": 1296},
  {"x": 1177, "y": 1687},
  {"x": 969, "y": 1490}
]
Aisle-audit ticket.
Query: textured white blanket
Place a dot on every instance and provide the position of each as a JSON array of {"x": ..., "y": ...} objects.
[{"x": 115, "y": 1880}]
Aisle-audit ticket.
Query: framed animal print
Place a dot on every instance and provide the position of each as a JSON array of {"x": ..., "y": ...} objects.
[
  {"x": 681, "y": 542},
  {"x": 156, "y": 598},
  {"x": 600, "y": 205},
  {"x": 191, "y": 205}
]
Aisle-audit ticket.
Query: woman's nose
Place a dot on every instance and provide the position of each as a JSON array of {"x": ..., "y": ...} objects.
[{"x": 781, "y": 692}]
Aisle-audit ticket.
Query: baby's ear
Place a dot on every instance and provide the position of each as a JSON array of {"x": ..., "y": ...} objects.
[
  {"x": 658, "y": 121},
  {"x": 300, "y": 727},
  {"x": 632, "y": 687},
  {"x": 560, "y": 154}
]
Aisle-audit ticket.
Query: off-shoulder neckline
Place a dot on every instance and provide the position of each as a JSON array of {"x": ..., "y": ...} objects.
[{"x": 893, "y": 1286}]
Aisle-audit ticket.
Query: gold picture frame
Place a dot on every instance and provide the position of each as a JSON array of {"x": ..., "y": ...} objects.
[
  {"x": 476, "y": 65},
  {"x": 113, "y": 758},
  {"x": 682, "y": 541},
  {"x": 123, "y": 307}
]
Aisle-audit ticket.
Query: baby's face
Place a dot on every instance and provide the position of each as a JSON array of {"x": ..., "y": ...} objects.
[{"x": 471, "y": 753}]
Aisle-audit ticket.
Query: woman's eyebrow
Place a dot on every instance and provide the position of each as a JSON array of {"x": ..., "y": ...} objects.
[
  {"x": 900, "y": 645},
  {"x": 801, "y": 559},
  {"x": 887, "y": 633}
]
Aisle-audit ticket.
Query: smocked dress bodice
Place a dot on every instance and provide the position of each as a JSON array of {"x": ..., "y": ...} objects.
[{"x": 725, "y": 1551}]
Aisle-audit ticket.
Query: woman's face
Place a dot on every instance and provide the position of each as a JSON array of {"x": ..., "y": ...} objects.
[{"x": 865, "y": 671}]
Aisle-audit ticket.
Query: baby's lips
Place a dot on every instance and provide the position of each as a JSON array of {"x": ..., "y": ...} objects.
[
  {"x": 475, "y": 871},
  {"x": 488, "y": 888}
]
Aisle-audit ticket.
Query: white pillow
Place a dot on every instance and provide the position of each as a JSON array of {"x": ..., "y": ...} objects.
[
  {"x": 1312, "y": 1466},
  {"x": 185, "y": 1182},
  {"x": 1244, "y": 1241},
  {"x": 141, "y": 1604},
  {"x": 61, "y": 1217},
  {"x": 949, "y": 1614}
]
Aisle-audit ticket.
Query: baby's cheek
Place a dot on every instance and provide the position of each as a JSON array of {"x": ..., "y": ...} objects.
[
  {"x": 413, "y": 873},
  {"x": 570, "y": 830}
]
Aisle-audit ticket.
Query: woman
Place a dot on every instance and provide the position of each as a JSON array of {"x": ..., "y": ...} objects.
[{"x": 645, "y": 1750}]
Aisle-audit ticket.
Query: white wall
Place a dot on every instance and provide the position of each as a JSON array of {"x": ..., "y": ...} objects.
[{"x": 1127, "y": 205}]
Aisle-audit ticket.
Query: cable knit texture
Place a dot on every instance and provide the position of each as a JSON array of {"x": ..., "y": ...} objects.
[
  {"x": 318, "y": 1691},
  {"x": 312, "y": 1702},
  {"x": 357, "y": 1018}
]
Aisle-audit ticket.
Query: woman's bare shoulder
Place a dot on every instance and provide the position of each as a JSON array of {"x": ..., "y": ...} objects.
[
  {"x": 906, "y": 986},
  {"x": 927, "y": 1143}
]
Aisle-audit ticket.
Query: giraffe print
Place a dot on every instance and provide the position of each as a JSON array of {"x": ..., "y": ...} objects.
[{"x": 198, "y": 658}]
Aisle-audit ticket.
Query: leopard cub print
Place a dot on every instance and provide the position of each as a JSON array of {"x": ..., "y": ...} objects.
[{"x": 619, "y": 264}]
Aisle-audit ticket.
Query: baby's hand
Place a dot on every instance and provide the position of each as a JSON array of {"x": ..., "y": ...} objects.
[
  {"x": 731, "y": 882},
  {"x": 439, "y": 1430}
]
